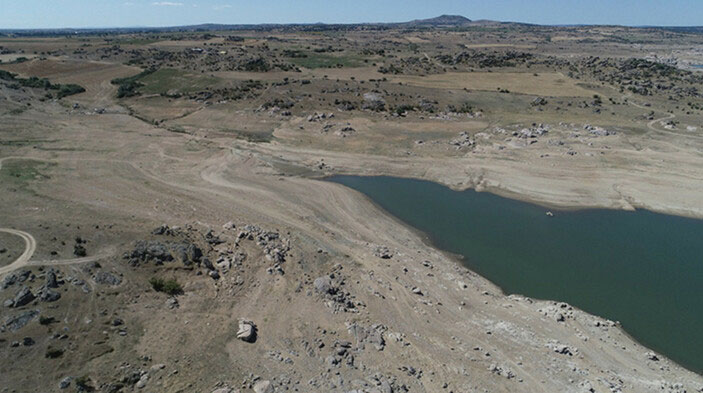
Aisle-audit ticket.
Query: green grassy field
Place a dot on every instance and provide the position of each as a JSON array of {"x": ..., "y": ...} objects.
[
  {"x": 323, "y": 60},
  {"x": 166, "y": 79}
]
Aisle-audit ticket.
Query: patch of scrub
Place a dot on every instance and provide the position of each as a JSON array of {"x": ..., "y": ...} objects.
[
  {"x": 314, "y": 60},
  {"x": 169, "y": 79},
  {"x": 19, "y": 174}
]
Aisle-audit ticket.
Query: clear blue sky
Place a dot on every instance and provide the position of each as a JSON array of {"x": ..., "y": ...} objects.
[{"x": 128, "y": 13}]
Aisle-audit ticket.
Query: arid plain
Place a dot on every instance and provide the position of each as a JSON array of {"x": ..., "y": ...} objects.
[{"x": 176, "y": 204}]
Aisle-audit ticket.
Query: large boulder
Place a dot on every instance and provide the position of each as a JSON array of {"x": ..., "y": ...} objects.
[
  {"x": 374, "y": 102},
  {"x": 19, "y": 321},
  {"x": 48, "y": 295},
  {"x": 24, "y": 296},
  {"x": 263, "y": 387},
  {"x": 51, "y": 280},
  {"x": 247, "y": 331},
  {"x": 324, "y": 285}
]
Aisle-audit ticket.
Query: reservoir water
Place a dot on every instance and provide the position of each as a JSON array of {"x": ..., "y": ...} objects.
[{"x": 640, "y": 268}]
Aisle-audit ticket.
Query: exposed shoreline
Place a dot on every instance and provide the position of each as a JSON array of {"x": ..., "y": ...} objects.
[{"x": 461, "y": 259}]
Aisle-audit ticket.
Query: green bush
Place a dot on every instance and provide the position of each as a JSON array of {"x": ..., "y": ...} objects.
[
  {"x": 171, "y": 287},
  {"x": 404, "y": 108},
  {"x": 83, "y": 384},
  {"x": 53, "y": 353},
  {"x": 128, "y": 87},
  {"x": 69, "y": 90},
  {"x": 42, "y": 83}
]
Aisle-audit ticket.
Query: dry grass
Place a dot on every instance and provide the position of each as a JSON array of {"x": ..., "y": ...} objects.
[{"x": 542, "y": 84}]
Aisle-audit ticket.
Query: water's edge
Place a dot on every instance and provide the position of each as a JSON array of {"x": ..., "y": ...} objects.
[{"x": 462, "y": 259}]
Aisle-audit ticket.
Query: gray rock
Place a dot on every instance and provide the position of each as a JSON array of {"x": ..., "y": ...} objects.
[
  {"x": 383, "y": 252},
  {"x": 142, "y": 381},
  {"x": 65, "y": 383},
  {"x": 247, "y": 331},
  {"x": 19, "y": 321},
  {"x": 51, "y": 281},
  {"x": 208, "y": 264},
  {"x": 9, "y": 280},
  {"x": 263, "y": 387},
  {"x": 324, "y": 285},
  {"x": 172, "y": 303},
  {"x": 47, "y": 295},
  {"x": 374, "y": 102},
  {"x": 24, "y": 296},
  {"x": 106, "y": 278}
]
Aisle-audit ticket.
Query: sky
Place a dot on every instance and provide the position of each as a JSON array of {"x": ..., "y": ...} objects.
[{"x": 16, "y": 14}]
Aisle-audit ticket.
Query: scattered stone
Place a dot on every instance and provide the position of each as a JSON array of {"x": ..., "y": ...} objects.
[
  {"x": 562, "y": 349},
  {"x": 106, "y": 278},
  {"x": 464, "y": 140},
  {"x": 383, "y": 252},
  {"x": 539, "y": 101},
  {"x": 223, "y": 390},
  {"x": 372, "y": 335}
]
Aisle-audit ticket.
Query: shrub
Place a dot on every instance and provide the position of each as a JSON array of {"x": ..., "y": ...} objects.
[
  {"x": 53, "y": 353},
  {"x": 171, "y": 287},
  {"x": 404, "y": 108},
  {"x": 128, "y": 86},
  {"x": 46, "y": 320},
  {"x": 83, "y": 383},
  {"x": 69, "y": 90}
]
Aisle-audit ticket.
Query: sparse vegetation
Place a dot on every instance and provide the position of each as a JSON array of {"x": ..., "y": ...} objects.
[
  {"x": 46, "y": 320},
  {"x": 128, "y": 86},
  {"x": 42, "y": 83},
  {"x": 53, "y": 353},
  {"x": 170, "y": 286}
]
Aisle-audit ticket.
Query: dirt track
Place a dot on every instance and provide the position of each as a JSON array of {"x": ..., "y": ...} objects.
[{"x": 23, "y": 259}]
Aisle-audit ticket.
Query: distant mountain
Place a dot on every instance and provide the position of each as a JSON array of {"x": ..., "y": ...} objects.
[
  {"x": 449, "y": 21},
  {"x": 442, "y": 20}
]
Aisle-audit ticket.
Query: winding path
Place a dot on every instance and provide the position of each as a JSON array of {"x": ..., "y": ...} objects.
[
  {"x": 22, "y": 260},
  {"x": 31, "y": 245}
]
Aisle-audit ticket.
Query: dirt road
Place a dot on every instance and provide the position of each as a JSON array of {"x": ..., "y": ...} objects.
[{"x": 22, "y": 260}]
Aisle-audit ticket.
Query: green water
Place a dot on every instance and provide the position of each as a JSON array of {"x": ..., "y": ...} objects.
[{"x": 640, "y": 268}]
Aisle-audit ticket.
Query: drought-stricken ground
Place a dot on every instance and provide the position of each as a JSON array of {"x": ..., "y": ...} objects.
[{"x": 343, "y": 297}]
